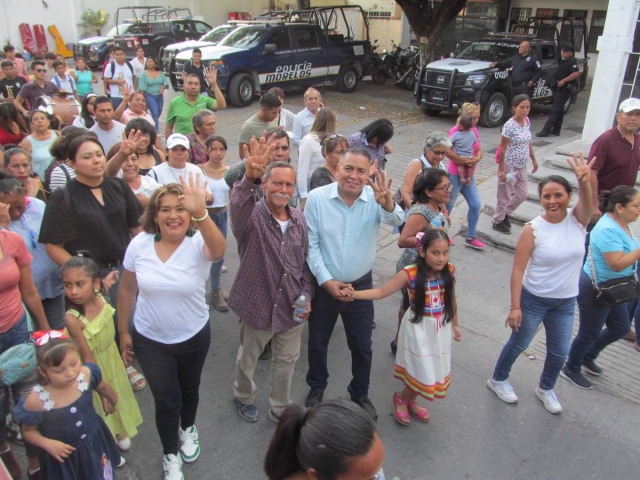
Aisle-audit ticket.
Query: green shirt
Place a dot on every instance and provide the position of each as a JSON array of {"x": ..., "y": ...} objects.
[
  {"x": 254, "y": 127},
  {"x": 181, "y": 111}
]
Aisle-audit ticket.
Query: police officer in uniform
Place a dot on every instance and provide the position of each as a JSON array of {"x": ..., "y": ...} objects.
[
  {"x": 566, "y": 73},
  {"x": 525, "y": 70}
]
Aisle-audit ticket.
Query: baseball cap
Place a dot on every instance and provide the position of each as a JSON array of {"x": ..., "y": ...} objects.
[
  {"x": 568, "y": 48},
  {"x": 629, "y": 105},
  {"x": 178, "y": 139}
]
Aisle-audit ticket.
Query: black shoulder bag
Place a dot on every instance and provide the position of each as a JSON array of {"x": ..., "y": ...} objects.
[{"x": 615, "y": 291}]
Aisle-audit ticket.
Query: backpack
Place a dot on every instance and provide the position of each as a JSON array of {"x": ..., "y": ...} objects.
[
  {"x": 56, "y": 80},
  {"x": 112, "y": 64}
]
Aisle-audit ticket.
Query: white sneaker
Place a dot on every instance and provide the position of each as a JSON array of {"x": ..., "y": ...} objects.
[
  {"x": 172, "y": 466},
  {"x": 548, "y": 397},
  {"x": 503, "y": 390},
  {"x": 189, "y": 444}
]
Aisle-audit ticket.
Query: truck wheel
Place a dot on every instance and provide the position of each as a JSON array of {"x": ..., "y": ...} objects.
[
  {"x": 378, "y": 76},
  {"x": 347, "y": 79},
  {"x": 241, "y": 90},
  {"x": 494, "y": 111},
  {"x": 431, "y": 112}
]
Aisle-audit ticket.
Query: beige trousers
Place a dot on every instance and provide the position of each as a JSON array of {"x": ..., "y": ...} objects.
[{"x": 286, "y": 351}]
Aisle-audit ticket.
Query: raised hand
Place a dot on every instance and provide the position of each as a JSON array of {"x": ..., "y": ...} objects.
[
  {"x": 256, "y": 157},
  {"x": 194, "y": 199},
  {"x": 382, "y": 190},
  {"x": 212, "y": 75},
  {"x": 580, "y": 167},
  {"x": 126, "y": 92},
  {"x": 130, "y": 142}
]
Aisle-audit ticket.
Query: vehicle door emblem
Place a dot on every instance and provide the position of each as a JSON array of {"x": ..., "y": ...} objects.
[{"x": 440, "y": 79}]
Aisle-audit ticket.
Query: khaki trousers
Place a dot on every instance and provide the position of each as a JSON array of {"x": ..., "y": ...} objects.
[{"x": 286, "y": 351}]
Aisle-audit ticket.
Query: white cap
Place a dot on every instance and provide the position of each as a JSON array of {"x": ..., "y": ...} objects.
[
  {"x": 629, "y": 105},
  {"x": 178, "y": 139}
]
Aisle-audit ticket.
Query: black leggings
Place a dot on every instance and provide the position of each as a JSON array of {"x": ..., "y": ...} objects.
[{"x": 173, "y": 373}]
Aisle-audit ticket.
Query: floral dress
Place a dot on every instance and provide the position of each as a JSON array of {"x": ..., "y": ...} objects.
[
  {"x": 423, "y": 359},
  {"x": 96, "y": 454}
]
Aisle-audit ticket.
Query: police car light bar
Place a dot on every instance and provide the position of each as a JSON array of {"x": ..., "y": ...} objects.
[{"x": 511, "y": 35}]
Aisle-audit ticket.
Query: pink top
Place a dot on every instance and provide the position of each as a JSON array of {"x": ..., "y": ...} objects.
[
  {"x": 128, "y": 115},
  {"x": 453, "y": 167},
  {"x": 14, "y": 257}
]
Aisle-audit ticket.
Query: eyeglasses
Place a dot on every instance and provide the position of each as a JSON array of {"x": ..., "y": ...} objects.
[
  {"x": 32, "y": 234},
  {"x": 40, "y": 70},
  {"x": 445, "y": 188},
  {"x": 440, "y": 153}
]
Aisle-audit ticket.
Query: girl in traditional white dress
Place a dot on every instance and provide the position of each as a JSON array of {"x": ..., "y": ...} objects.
[{"x": 423, "y": 359}]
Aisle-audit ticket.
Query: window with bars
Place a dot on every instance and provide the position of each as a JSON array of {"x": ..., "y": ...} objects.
[
  {"x": 596, "y": 29},
  {"x": 375, "y": 14},
  {"x": 547, "y": 12},
  {"x": 519, "y": 15},
  {"x": 547, "y": 28},
  {"x": 578, "y": 30}
]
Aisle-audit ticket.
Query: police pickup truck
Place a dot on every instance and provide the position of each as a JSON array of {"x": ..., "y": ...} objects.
[
  {"x": 446, "y": 84},
  {"x": 319, "y": 45}
]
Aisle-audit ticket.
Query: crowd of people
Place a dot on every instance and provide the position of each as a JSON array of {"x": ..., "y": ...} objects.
[{"x": 92, "y": 215}]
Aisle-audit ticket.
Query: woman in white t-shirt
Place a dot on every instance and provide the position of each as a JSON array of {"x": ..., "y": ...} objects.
[
  {"x": 166, "y": 268},
  {"x": 544, "y": 282},
  {"x": 138, "y": 62}
]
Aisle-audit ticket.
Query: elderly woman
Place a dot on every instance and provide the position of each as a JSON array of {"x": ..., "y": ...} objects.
[
  {"x": 469, "y": 190},
  {"x": 25, "y": 219},
  {"x": 204, "y": 125},
  {"x": 373, "y": 138},
  {"x": 310, "y": 151},
  {"x": 18, "y": 163},
  {"x": 332, "y": 149},
  {"x": 431, "y": 191},
  {"x": 38, "y": 143},
  {"x": 171, "y": 333},
  {"x": 544, "y": 283},
  {"x": 613, "y": 253}
]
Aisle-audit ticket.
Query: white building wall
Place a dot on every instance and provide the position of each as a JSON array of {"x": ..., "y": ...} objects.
[{"x": 589, "y": 5}]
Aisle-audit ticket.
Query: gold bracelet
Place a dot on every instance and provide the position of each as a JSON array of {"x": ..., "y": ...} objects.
[{"x": 204, "y": 217}]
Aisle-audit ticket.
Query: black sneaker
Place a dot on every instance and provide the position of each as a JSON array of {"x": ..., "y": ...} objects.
[
  {"x": 366, "y": 404},
  {"x": 576, "y": 378},
  {"x": 543, "y": 133},
  {"x": 314, "y": 398},
  {"x": 501, "y": 227},
  {"x": 591, "y": 367},
  {"x": 266, "y": 353},
  {"x": 394, "y": 347},
  {"x": 507, "y": 222}
]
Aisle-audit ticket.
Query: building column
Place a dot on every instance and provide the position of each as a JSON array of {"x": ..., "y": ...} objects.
[{"x": 614, "y": 47}]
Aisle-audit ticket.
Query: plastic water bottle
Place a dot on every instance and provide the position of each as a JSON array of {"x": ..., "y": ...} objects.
[
  {"x": 299, "y": 307},
  {"x": 511, "y": 177}
]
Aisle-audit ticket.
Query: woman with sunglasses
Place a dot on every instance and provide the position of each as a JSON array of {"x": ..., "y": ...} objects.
[
  {"x": 17, "y": 162},
  {"x": 25, "y": 215},
  {"x": 469, "y": 190},
  {"x": 310, "y": 151},
  {"x": 431, "y": 192}
]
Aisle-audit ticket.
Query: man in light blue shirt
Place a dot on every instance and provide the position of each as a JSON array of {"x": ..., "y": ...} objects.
[
  {"x": 343, "y": 220},
  {"x": 305, "y": 118}
]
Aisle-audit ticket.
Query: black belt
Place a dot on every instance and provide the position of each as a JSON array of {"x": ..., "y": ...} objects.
[
  {"x": 363, "y": 281},
  {"x": 113, "y": 263}
]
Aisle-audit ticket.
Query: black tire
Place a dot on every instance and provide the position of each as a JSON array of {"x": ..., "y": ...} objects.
[
  {"x": 431, "y": 112},
  {"x": 347, "y": 79},
  {"x": 241, "y": 90},
  {"x": 377, "y": 76},
  {"x": 494, "y": 111},
  {"x": 410, "y": 81}
]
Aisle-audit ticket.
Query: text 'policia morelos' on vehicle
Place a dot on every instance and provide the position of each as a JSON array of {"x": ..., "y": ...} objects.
[
  {"x": 444, "y": 85},
  {"x": 296, "y": 48}
]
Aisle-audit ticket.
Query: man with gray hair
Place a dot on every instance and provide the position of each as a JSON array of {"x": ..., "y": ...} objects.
[
  {"x": 273, "y": 242},
  {"x": 304, "y": 119}
]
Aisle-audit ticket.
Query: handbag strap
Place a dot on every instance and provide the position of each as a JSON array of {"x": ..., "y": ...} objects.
[{"x": 593, "y": 269}]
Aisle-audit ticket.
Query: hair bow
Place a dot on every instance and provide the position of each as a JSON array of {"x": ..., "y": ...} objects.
[
  {"x": 419, "y": 236},
  {"x": 42, "y": 337},
  {"x": 48, "y": 109}
]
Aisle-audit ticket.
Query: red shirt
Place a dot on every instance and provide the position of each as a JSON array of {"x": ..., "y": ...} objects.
[
  {"x": 7, "y": 137},
  {"x": 617, "y": 161},
  {"x": 14, "y": 257}
]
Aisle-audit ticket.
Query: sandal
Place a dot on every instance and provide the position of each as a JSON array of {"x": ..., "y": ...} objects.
[
  {"x": 401, "y": 417},
  {"x": 137, "y": 380},
  {"x": 421, "y": 413}
]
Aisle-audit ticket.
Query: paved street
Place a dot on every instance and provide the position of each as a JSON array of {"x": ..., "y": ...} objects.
[{"x": 472, "y": 434}]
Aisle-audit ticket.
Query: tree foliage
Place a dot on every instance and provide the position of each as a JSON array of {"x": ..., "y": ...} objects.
[
  {"x": 94, "y": 20},
  {"x": 428, "y": 20}
]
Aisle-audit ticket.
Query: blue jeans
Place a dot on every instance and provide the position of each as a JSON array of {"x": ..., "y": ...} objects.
[
  {"x": 155, "y": 104},
  {"x": 220, "y": 219},
  {"x": 116, "y": 101},
  {"x": 357, "y": 317},
  {"x": 472, "y": 196},
  {"x": 592, "y": 338},
  {"x": 557, "y": 316}
]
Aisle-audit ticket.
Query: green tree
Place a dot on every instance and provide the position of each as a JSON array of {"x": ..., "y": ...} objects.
[
  {"x": 94, "y": 21},
  {"x": 428, "y": 20}
]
